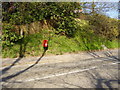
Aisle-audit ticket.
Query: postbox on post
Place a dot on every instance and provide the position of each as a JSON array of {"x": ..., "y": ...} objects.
[{"x": 45, "y": 44}]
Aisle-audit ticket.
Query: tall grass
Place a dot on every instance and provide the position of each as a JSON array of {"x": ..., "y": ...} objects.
[{"x": 57, "y": 45}]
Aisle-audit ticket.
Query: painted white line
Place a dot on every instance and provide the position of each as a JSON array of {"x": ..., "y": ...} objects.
[
  {"x": 62, "y": 74},
  {"x": 55, "y": 75}
]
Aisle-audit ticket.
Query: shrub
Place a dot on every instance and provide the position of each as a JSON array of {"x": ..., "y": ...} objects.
[{"x": 9, "y": 37}]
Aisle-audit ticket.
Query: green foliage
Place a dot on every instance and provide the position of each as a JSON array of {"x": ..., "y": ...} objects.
[
  {"x": 58, "y": 44},
  {"x": 86, "y": 37},
  {"x": 112, "y": 44},
  {"x": 60, "y": 13},
  {"x": 27, "y": 12},
  {"x": 104, "y": 26},
  {"x": 68, "y": 29},
  {"x": 9, "y": 37}
]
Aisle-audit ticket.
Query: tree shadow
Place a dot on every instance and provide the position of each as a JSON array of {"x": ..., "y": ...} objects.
[
  {"x": 100, "y": 81},
  {"x": 23, "y": 45},
  {"x": 20, "y": 72},
  {"x": 9, "y": 67},
  {"x": 93, "y": 54},
  {"x": 109, "y": 54},
  {"x": 61, "y": 84},
  {"x": 71, "y": 84},
  {"x": 22, "y": 50}
]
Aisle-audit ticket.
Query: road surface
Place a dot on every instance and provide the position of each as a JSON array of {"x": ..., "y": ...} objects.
[{"x": 81, "y": 70}]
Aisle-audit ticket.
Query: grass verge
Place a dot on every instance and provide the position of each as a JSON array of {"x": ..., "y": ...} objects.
[{"x": 32, "y": 45}]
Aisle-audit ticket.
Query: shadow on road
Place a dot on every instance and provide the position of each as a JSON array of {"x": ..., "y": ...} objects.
[
  {"x": 101, "y": 82},
  {"x": 9, "y": 67},
  {"x": 106, "y": 53},
  {"x": 109, "y": 54},
  {"x": 93, "y": 54},
  {"x": 22, "y": 50},
  {"x": 20, "y": 72}
]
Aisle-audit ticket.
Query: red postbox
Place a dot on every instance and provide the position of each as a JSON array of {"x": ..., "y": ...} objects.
[{"x": 45, "y": 44}]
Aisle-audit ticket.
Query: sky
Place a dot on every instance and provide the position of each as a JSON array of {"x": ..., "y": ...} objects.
[
  {"x": 99, "y": 0},
  {"x": 114, "y": 13},
  {"x": 111, "y": 12}
]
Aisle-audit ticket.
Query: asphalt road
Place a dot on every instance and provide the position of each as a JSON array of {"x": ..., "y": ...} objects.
[{"x": 82, "y": 70}]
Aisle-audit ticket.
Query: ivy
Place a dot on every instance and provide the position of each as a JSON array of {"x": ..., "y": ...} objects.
[
  {"x": 9, "y": 37},
  {"x": 19, "y": 13}
]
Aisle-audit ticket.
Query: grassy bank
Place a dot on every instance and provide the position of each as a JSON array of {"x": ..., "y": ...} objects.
[
  {"x": 84, "y": 39},
  {"x": 32, "y": 45}
]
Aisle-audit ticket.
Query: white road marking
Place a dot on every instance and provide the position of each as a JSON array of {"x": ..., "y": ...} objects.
[{"x": 62, "y": 74}]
